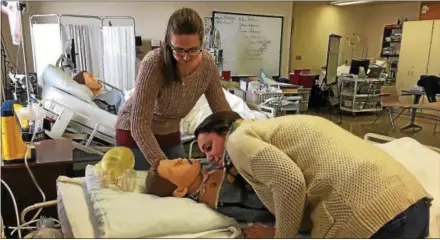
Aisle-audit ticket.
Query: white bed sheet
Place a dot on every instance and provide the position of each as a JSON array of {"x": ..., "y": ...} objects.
[
  {"x": 94, "y": 113},
  {"x": 75, "y": 213},
  {"x": 424, "y": 164}
]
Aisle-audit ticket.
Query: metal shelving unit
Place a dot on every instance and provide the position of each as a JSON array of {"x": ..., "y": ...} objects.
[
  {"x": 360, "y": 95},
  {"x": 391, "y": 41}
]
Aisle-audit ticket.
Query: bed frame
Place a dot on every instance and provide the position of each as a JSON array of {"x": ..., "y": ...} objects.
[
  {"x": 378, "y": 138},
  {"x": 65, "y": 128}
]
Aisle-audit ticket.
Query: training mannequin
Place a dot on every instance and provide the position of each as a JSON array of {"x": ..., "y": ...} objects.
[
  {"x": 220, "y": 188},
  {"x": 86, "y": 78}
]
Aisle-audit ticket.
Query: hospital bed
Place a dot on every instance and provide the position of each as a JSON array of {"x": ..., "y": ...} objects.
[
  {"x": 76, "y": 211},
  {"x": 75, "y": 115}
]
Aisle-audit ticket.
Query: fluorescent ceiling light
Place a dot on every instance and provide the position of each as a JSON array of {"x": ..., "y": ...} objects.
[{"x": 345, "y": 3}]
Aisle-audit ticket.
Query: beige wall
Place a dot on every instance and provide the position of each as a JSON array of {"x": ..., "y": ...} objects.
[
  {"x": 314, "y": 21},
  {"x": 380, "y": 14},
  {"x": 151, "y": 17}
]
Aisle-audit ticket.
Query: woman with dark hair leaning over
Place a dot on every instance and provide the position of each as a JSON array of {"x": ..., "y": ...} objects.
[
  {"x": 311, "y": 174},
  {"x": 170, "y": 81},
  {"x": 307, "y": 167}
]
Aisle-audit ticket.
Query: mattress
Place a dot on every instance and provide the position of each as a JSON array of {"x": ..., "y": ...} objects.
[
  {"x": 79, "y": 223},
  {"x": 75, "y": 208},
  {"x": 91, "y": 113},
  {"x": 75, "y": 213}
]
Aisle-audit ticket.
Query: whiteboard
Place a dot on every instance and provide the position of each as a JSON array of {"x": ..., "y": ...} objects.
[
  {"x": 250, "y": 42},
  {"x": 334, "y": 42}
]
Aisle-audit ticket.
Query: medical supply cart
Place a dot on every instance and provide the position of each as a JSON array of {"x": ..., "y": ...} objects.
[{"x": 360, "y": 94}]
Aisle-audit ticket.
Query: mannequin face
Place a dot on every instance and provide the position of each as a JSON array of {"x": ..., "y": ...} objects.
[
  {"x": 212, "y": 145},
  {"x": 183, "y": 173},
  {"x": 91, "y": 82}
]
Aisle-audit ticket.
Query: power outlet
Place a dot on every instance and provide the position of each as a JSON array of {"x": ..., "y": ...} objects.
[{"x": 298, "y": 58}]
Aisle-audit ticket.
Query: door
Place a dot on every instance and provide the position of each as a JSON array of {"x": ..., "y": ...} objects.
[
  {"x": 414, "y": 54},
  {"x": 434, "y": 56},
  {"x": 434, "y": 59}
]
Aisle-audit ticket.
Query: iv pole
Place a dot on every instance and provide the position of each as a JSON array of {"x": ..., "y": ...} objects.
[
  {"x": 20, "y": 6},
  {"x": 23, "y": 44}
]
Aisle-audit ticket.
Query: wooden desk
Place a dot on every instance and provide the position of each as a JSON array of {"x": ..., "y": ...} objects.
[{"x": 24, "y": 190}]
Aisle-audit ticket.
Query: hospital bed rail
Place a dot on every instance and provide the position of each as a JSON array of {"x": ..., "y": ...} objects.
[
  {"x": 63, "y": 122},
  {"x": 109, "y": 85},
  {"x": 374, "y": 137}
]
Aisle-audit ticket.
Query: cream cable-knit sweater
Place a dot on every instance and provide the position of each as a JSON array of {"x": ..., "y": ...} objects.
[
  {"x": 157, "y": 106},
  {"x": 306, "y": 167}
]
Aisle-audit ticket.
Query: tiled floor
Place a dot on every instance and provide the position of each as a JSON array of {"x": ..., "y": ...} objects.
[{"x": 362, "y": 124}]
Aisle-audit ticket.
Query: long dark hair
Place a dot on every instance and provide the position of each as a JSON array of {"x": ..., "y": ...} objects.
[
  {"x": 184, "y": 21},
  {"x": 218, "y": 122}
]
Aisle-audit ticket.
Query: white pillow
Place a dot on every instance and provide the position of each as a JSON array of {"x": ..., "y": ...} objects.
[
  {"x": 57, "y": 78},
  {"x": 137, "y": 215},
  {"x": 424, "y": 164}
]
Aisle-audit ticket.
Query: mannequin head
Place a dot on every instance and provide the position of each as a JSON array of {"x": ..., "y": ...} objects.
[
  {"x": 116, "y": 169},
  {"x": 88, "y": 79},
  {"x": 116, "y": 162},
  {"x": 174, "y": 177}
]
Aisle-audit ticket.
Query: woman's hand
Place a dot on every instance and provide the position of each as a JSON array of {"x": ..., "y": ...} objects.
[{"x": 259, "y": 231}]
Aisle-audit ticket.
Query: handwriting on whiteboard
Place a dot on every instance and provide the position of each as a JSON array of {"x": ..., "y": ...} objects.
[{"x": 250, "y": 30}]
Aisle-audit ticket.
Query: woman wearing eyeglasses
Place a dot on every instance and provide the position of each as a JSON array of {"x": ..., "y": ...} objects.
[{"x": 170, "y": 81}]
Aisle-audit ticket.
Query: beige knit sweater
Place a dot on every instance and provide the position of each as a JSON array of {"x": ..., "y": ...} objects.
[
  {"x": 306, "y": 167},
  {"x": 157, "y": 106}
]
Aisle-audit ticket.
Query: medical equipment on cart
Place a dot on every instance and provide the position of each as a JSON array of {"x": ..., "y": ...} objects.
[
  {"x": 28, "y": 118},
  {"x": 212, "y": 42},
  {"x": 14, "y": 9},
  {"x": 272, "y": 100},
  {"x": 283, "y": 105}
]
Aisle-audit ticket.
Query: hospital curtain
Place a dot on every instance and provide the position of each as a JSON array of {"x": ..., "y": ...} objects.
[
  {"x": 119, "y": 56},
  {"x": 87, "y": 43},
  {"x": 46, "y": 46}
]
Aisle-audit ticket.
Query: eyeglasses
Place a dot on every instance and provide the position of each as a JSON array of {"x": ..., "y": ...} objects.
[{"x": 181, "y": 52}]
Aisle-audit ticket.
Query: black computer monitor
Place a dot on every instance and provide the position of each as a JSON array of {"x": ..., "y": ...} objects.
[
  {"x": 356, "y": 63},
  {"x": 138, "y": 41}
]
